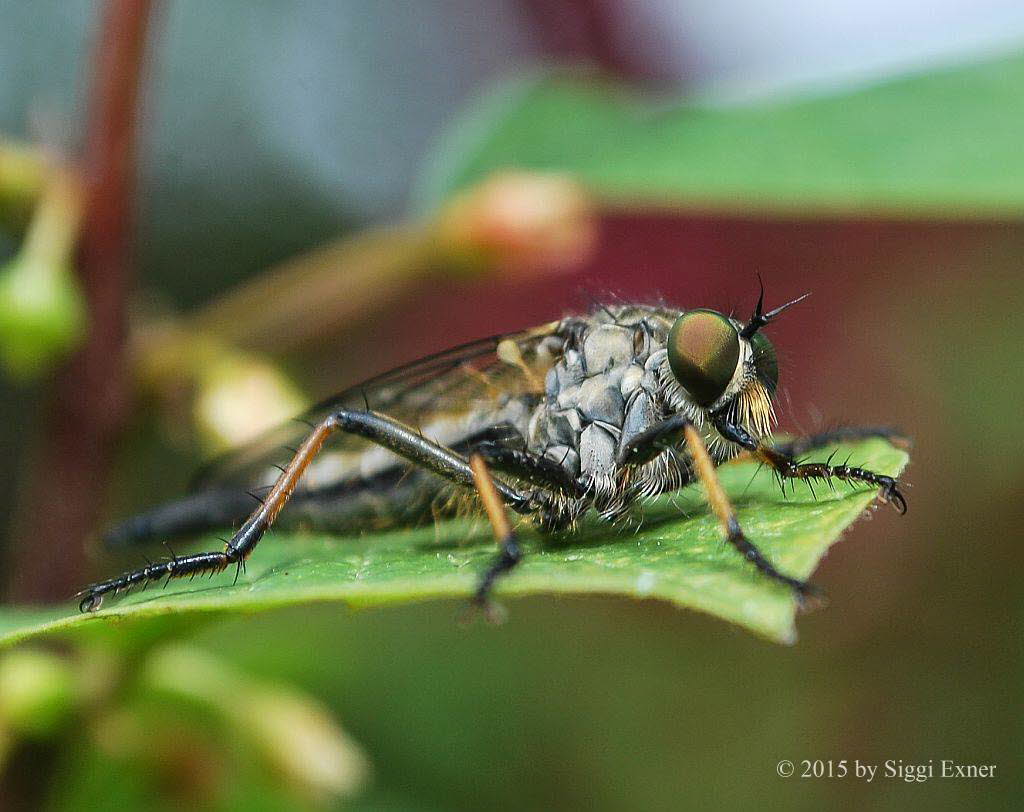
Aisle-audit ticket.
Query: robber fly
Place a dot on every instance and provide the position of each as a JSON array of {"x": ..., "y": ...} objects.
[{"x": 598, "y": 411}]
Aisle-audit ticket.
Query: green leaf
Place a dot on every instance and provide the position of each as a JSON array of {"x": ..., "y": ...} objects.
[
  {"x": 677, "y": 556},
  {"x": 941, "y": 144}
]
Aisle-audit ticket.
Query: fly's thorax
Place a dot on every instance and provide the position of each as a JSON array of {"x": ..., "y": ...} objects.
[{"x": 600, "y": 393}]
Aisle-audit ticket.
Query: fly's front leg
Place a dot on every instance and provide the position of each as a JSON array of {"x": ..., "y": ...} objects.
[
  {"x": 647, "y": 444},
  {"x": 723, "y": 509},
  {"x": 543, "y": 472},
  {"x": 652, "y": 441},
  {"x": 510, "y": 553},
  {"x": 781, "y": 460},
  {"x": 377, "y": 428}
]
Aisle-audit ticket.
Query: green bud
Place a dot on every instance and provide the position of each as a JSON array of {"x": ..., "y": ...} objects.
[
  {"x": 42, "y": 310},
  {"x": 42, "y": 316}
]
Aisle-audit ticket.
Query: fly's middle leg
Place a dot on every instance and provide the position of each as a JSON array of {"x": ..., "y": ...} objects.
[
  {"x": 377, "y": 428},
  {"x": 509, "y": 551},
  {"x": 542, "y": 472}
]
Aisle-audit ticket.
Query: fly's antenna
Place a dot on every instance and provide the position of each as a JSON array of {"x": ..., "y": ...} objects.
[{"x": 759, "y": 319}]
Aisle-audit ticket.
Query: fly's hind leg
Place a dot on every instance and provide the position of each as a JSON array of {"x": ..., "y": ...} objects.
[{"x": 374, "y": 427}]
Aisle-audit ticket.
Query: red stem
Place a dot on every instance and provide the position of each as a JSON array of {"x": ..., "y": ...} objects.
[{"x": 68, "y": 481}]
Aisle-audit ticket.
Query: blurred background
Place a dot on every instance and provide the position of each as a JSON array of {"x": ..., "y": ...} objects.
[{"x": 212, "y": 214}]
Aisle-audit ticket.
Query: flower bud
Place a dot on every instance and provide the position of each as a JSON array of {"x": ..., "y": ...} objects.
[
  {"x": 521, "y": 221},
  {"x": 240, "y": 396}
]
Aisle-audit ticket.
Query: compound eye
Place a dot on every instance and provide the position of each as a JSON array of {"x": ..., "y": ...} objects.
[
  {"x": 765, "y": 362},
  {"x": 703, "y": 350}
]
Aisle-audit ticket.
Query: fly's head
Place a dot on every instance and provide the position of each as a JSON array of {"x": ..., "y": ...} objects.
[{"x": 722, "y": 365}]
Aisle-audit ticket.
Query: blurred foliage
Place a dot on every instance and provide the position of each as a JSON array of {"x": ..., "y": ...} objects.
[
  {"x": 22, "y": 176},
  {"x": 37, "y": 690},
  {"x": 681, "y": 560},
  {"x": 169, "y": 725},
  {"x": 42, "y": 309},
  {"x": 945, "y": 143},
  {"x": 512, "y": 225}
]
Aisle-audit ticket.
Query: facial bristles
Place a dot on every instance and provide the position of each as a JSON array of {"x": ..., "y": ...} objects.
[{"x": 755, "y": 409}]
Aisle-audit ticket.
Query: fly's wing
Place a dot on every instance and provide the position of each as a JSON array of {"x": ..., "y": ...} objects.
[
  {"x": 353, "y": 483},
  {"x": 471, "y": 376}
]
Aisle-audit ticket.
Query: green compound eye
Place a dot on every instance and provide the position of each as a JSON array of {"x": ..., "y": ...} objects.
[
  {"x": 703, "y": 350},
  {"x": 765, "y": 362}
]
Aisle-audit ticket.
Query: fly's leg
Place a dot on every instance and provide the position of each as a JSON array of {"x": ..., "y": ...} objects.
[
  {"x": 723, "y": 509},
  {"x": 542, "y": 472},
  {"x": 649, "y": 443},
  {"x": 377, "y": 428},
  {"x": 509, "y": 553},
  {"x": 787, "y": 467},
  {"x": 503, "y": 448}
]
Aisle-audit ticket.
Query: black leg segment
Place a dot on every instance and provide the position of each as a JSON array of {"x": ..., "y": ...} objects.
[
  {"x": 646, "y": 445},
  {"x": 542, "y": 472}
]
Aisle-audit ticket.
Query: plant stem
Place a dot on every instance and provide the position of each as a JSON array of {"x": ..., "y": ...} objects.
[{"x": 66, "y": 486}]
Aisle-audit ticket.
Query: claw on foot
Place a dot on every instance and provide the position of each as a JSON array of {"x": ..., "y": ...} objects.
[
  {"x": 891, "y": 494},
  {"x": 90, "y": 602}
]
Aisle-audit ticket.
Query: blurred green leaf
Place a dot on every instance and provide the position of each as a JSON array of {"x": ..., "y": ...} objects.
[
  {"x": 678, "y": 556},
  {"x": 941, "y": 144},
  {"x": 37, "y": 692}
]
